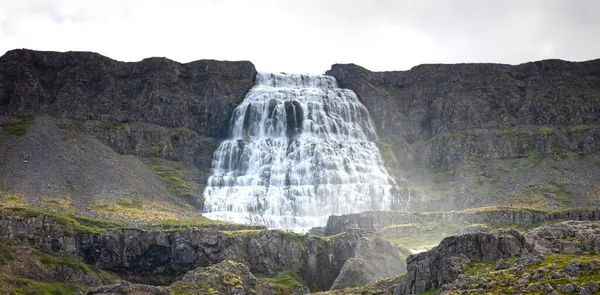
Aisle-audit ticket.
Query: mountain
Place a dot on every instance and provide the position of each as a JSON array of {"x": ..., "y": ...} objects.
[
  {"x": 467, "y": 135},
  {"x": 89, "y": 132},
  {"x": 83, "y": 135}
]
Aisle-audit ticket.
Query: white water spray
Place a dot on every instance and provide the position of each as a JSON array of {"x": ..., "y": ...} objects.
[{"x": 300, "y": 150}]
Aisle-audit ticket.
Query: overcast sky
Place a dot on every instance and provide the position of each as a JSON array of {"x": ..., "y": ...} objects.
[{"x": 309, "y": 35}]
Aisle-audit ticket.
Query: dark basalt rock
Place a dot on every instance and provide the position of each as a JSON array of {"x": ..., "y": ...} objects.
[
  {"x": 199, "y": 96},
  {"x": 440, "y": 265},
  {"x": 438, "y": 120},
  {"x": 145, "y": 253}
]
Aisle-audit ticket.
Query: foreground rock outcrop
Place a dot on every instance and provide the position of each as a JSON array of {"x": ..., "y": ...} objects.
[
  {"x": 552, "y": 258},
  {"x": 441, "y": 265},
  {"x": 143, "y": 255}
]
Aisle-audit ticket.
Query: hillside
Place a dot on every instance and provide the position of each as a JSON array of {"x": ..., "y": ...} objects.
[
  {"x": 85, "y": 133},
  {"x": 469, "y": 135}
]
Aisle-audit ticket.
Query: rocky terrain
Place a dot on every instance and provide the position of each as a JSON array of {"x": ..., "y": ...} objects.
[
  {"x": 94, "y": 131},
  {"x": 161, "y": 257},
  {"x": 470, "y": 135},
  {"x": 83, "y": 137},
  {"x": 458, "y": 136},
  {"x": 552, "y": 259}
]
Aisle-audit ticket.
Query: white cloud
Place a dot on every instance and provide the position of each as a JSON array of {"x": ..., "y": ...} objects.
[{"x": 309, "y": 35}]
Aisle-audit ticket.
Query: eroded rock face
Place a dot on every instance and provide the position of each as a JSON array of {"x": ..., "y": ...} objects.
[
  {"x": 135, "y": 253},
  {"x": 441, "y": 265},
  {"x": 571, "y": 237},
  {"x": 443, "y": 127},
  {"x": 226, "y": 277},
  {"x": 199, "y": 96}
]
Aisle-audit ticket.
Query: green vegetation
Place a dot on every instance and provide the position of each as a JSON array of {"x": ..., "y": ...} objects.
[
  {"x": 387, "y": 152},
  {"x": 505, "y": 281},
  {"x": 134, "y": 203},
  {"x": 285, "y": 282},
  {"x": 73, "y": 188},
  {"x": 16, "y": 126},
  {"x": 62, "y": 204},
  {"x": 113, "y": 125},
  {"x": 68, "y": 261},
  {"x": 431, "y": 292},
  {"x": 199, "y": 222},
  {"x": 176, "y": 176},
  {"x": 157, "y": 149},
  {"x": 70, "y": 222},
  {"x": 545, "y": 130},
  {"x": 6, "y": 252},
  {"x": 23, "y": 286}
]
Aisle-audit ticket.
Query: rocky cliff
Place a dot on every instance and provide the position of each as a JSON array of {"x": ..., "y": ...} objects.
[
  {"x": 159, "y": 257},
  {"x": 466, "y": 135},
  {"x": 552, "y": 259},
  {"x": 59, "y": 111}
]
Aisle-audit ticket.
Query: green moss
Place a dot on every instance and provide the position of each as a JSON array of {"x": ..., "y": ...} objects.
[
  {"x": 294, "y": 237},
  {"x": 285, "y": 282},
  {"x": 132, "y": 203},
  {"x": 545, "y": 129},
  {"x": 157, "y": 149},
  {"x": 432, "y": 292},
  {"x": 387, "y": 152},
  {"x": 6, "y": 252},
  {"x": 73, "y": 188},
  {"x": 16, "y": 126},
  {"x": 113, "y": 125},
  {"x": 578, "y": 128},
  {"x": 23, "y": 286},
  {"x": 504, "y": 280},
  {"x": 176, "y": 176},
  {"x": 71, "y": 222},
  {"x": 68, "y": 261}
]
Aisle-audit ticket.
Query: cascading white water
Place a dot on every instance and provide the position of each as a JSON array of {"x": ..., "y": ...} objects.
[{"x": 300, "y": 150}]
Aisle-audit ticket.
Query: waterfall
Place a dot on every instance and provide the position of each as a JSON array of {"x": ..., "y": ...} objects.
[{"x": 300, "y": 149}]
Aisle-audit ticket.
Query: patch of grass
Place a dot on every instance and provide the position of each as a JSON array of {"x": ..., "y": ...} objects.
[
  {"x": 62, "y": 204},
  {"x": 73, "y": 188},
  {"x": 545, "y": 130},
  {"x": 157, "y": 149},
  {"x": 561, "y": 194},
  {"x": 578, "y": 128},
  {"x": 285, "y": 282},
  {"x": 68, "y": 261},
  {"x": 504, "y": 281},
  {"x": 6, "y": 252},
  {"x": 431, "y": 292},
  {"x": 8, "y": 200},
  {"x": 113, "y": 125},
  {"x": 4, "y": 186},
  {"x": 23, "y": 286},
  {"x": 134, "y": 203},
  {"x": 70, "y": 222},
  {"x": 16, "y": 126},
  {"x": 136, "y": 210},
  {"x": 175, "y": 175}
]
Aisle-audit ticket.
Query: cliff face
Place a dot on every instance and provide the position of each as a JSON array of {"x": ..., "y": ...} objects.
[
  {"x": 148, "y": 255},
  {"x": 199, "y": 96},
  {"x": 472, "y": 134},
  {"x": 54, "y": 107}
]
